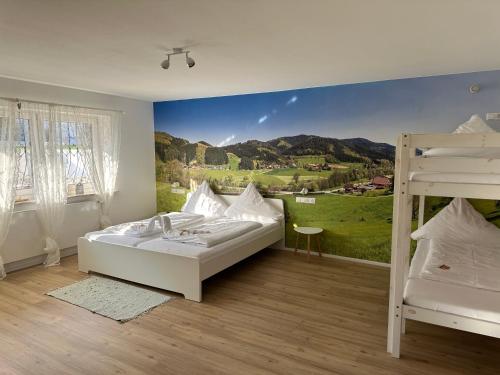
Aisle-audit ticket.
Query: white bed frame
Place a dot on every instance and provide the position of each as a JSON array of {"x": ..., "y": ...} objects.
[
  {"x": 407, "y": 162},
  {"x": 166, "y": 271}
]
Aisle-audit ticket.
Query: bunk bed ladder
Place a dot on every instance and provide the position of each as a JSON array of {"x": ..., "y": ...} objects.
[{"x": 402, "y": 213}]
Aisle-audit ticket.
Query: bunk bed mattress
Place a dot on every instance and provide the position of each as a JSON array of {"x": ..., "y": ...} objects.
[
  {"x": 456, "y": 178},
  {"x": 448, "y": 298},
  {"x": 270, "y": 230}
]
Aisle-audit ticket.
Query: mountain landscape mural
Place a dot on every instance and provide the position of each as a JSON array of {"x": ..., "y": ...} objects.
[
  {"x": 333, "y": 145},
  {"x": 327, "y": 169}
]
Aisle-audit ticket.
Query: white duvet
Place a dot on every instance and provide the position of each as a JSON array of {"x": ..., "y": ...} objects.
[
  {"x": 177, "y": 220},
  {"x": 463, "y": 263},
  {"x": 116, "y": 234},
  {"x": 212, "y": 232}
]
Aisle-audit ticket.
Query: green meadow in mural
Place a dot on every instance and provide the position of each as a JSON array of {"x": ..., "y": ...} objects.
[{"x": 332, "y": 144}]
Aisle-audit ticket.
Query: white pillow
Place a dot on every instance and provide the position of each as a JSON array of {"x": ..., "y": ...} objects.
[
  {"x": 459, "y": 221},
  {"x": 251, "y": 206},
  {"x": 474, "y": 125},
  {"x": 204, "y": 202}
]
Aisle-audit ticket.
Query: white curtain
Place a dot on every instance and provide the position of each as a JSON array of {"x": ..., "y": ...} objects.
[
  {"x": 8, "y": 170},
  {"x": 49, "y": 177},
  {"x": 99, "y": 133}
]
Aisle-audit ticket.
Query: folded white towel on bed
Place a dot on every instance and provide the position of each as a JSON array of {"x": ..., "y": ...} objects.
[
  {"x": 140, "y": 228},
  {"x": 211, "y": 233},
  {"x": 156, "y": 224}
]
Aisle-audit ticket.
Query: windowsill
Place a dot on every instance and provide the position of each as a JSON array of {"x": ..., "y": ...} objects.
[
  {"x": 31, "y": 205},
  {"x": 81, "y": 198}
]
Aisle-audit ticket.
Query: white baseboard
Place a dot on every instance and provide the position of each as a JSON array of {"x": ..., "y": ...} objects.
[
  {"x": 347, "y": 259},
  {"x": 36, "y": 260}
]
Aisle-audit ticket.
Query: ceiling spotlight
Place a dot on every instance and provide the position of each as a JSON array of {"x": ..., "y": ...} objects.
[
  {"x": 189, "y": 61},
  {"x": 177, "y": 51},
  {"x": 166, "y": 63}
]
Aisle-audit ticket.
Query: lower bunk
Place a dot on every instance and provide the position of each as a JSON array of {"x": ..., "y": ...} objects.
[{"x": 450, "y": 303}]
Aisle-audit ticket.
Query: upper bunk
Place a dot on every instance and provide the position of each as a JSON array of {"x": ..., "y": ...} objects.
[{"x": 450, "y": 165}]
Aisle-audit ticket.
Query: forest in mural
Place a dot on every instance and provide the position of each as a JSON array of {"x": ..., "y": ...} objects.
[{"x": 333, "y": 144}]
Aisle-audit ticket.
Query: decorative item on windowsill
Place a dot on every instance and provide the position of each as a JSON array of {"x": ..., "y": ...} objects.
[{"x": 79, "y": 190}]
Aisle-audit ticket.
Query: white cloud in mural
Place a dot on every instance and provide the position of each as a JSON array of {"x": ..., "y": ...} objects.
[
  {"x": 263, "y": 119},
  {"x": 226, "y": 141},
  {"x": 292, "y": 100}
]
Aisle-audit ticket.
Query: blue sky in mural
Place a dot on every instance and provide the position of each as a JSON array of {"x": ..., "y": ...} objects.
[{"x": 378, "y": 111}]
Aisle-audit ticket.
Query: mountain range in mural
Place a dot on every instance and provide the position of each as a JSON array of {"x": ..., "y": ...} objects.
[{"x": 282, "y": 152}]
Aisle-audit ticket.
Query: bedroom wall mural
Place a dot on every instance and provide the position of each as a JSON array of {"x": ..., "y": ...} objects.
[{"x": 333, "y": 144}]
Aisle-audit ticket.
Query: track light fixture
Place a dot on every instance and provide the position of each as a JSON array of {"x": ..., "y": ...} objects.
[
  {"x": 165, "y": 64},
  {"x": 189, "y": 61},
  {"x": 177, "y": 51}
]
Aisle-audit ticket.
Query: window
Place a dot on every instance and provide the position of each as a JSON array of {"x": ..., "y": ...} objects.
[
  {"x": 70, "y": 151},
  {"x": 24, "y": 183},
  {"x": 78, "y": 180}
]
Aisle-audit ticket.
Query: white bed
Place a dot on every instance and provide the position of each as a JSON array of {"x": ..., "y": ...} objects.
[
  {"x": 174, "y": 266},
  {"x": 446, "y": 297},
  {"x": 471, "y": 169}
]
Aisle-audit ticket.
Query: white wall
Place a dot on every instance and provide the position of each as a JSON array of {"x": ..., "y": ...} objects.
[{"x": 136, "y": 197}]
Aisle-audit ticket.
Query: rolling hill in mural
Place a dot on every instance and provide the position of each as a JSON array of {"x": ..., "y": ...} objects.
[{"x": 350, "y": 179}]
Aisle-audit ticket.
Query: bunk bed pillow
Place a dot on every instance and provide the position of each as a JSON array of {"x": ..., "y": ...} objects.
[
  {"x": 474, "y": 125},
  {"x": 251, "y": 206},
  {"x": 459, "y": 221},
  {"x": 204, "y": 202}
]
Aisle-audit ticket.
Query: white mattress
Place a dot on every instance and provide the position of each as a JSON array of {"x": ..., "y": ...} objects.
[
  {"x": 206, "y": 253},
  {"x": 458, "y": 178},
  {"x": 158, "y": 244},
  {"x": 449, "y": 298}
]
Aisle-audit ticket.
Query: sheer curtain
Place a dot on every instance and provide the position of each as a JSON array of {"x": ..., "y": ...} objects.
[
  {"x": 8, "y": 170},
  {"x": 49, "y": 179},
  {"x": 99, "y": 133}
]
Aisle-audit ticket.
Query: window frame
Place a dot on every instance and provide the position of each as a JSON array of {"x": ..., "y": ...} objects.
[{"x": 30, "y": 203}]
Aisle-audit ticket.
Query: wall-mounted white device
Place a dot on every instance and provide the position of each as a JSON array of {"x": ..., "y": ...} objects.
[
  {"x": 305, "y": 200},
  {"x": 493, "y": 116}
]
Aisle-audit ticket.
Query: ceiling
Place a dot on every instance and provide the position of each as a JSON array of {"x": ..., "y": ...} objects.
[{"x": 242, "y": 46}]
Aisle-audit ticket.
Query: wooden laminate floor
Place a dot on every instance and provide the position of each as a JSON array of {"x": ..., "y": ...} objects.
[{"x": 271, "y": 314}]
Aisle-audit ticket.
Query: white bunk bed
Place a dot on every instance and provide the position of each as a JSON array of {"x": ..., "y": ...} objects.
[
  {"x": 416, "y": 175},
  {"x": 174, "y": 266}
]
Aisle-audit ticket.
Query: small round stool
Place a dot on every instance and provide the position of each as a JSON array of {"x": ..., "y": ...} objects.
[{"x": 308, "y": 231}]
